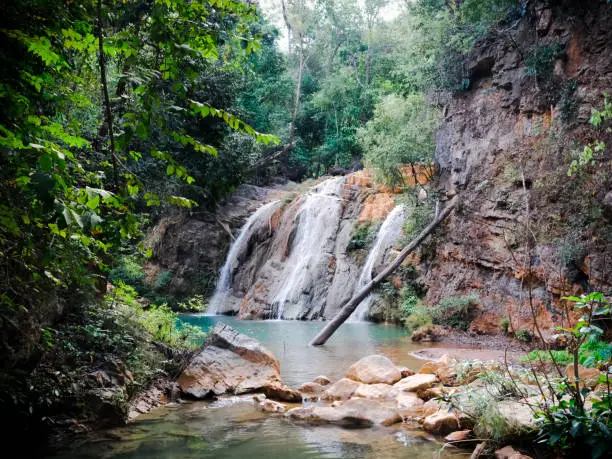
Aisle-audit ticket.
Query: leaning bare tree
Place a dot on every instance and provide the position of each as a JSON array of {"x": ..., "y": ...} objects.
[{"x": 348, "y": 308}]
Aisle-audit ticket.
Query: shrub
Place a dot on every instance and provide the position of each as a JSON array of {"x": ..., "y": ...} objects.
[
  {"x": 419, "y": 317},
  {"x": 126, "y": 270},
  {"x": 362, "y": 236},
  {"x": 194, "y": 304},
  {"x": 163, "y": 279},
  {"x": 560, "y": 357},
  {"x": 541, "y": 62},
  {"x": 523, "y": 335},
  {"x": 455, "y": 311},
  {"x": 504, "y": 325}
]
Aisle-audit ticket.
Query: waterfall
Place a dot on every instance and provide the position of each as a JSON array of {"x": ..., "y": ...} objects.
[
  {"x": 254, "y": 223},
  {"x": 315, "y": 228},
  {"x": 388, "y": 234}
]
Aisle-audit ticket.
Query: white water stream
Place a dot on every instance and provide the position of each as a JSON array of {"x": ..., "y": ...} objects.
[
  {"x": 316, "y": 225},
  {"x": 258, "y": 219},
  {"x": 390, "y": 231}
]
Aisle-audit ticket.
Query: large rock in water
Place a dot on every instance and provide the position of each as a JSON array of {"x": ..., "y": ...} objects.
[
  {"x": 234, "y": 363},
  {"x": 374, "y": 369},
  {"x": 351, "y": 413}
]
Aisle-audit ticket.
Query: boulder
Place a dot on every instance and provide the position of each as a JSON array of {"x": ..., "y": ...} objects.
[
  {"x": 356, "y": 412},
  {"x": 376, "y": 391},
  {"x": 323, "y": 380},
  {"x": 431, "y": 392},
  {"x": 233, "y": 363},
  {"x": 588, "y": 376},
  {"x": 409, "y": 405},
  {"x": 458, "y": 436},
  {"x": 311, "y": 390},
  {"x": 517, "y": 414},
  {"x": 444, "y": 369},
  {"x": 340, "y": 390},
  {"x": 405, "y": 371},
  {"x": 270, "y": 406},
  {"x": 441, "y": 423},
  {"x": 416, "y": 382},
  {"x": 280, "y": 391},
  {"x": 433, "y": 406},
  {"x": 374, "y": 369},
  {"x": 508, "y": 452}
]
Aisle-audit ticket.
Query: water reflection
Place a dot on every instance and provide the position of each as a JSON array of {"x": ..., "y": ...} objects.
[{"x": 300, "y": 363}]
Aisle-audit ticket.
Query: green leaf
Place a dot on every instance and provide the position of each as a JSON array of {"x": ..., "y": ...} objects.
[
  {"x": 94, "y": 202},
  {"x": 170, "y": 169}
]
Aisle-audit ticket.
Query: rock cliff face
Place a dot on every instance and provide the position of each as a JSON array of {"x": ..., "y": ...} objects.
[
  {"x": 505, "y": 145},
  {"x": 524, "y": 235}
]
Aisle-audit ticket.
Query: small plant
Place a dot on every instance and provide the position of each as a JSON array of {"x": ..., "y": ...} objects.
[
  {"x": 565, "y": 419},
  {"x": 504, "y": 325},
  {"x": 523, "y": 335},
  {"x": 362, "y": 237},
  {"x": 194, "y": 304},
  {"x": 590, "y": 152},
  {"x": 561, "y": 357},
  {"x": 455, "y": 311},
  {"x": 419, "y": 317},
  {"x": 126, "y": 270},
  {"x": 163, "y": 279},
  {"x": 541, "y": 62}
]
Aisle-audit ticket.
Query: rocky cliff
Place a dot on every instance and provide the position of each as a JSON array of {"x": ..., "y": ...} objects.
[
  {"x": 505, "y": 145},
  {"x": 525, "y": 234}
]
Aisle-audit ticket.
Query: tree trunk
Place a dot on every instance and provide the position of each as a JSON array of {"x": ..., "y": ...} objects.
[
  {"x": 107, "y": 108},
  {"x": 298, "y": 90},
  {"x": 352, "y": 304}
]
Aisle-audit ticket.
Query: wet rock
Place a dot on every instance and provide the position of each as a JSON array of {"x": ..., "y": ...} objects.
[
  {"x": 159, "y": 393},
  {"x": 431, "y": 393},
  {"x": 405, "y": 371},
  {"x": 270, "y": 406},
  {"x": 376, "y": 391},
  {"x": 441, "y": 423},
  {"x": 416, "y": 382},
  {"x": 458, "y": 436},
  {"x": 351, "y": 413},
  {"x": 409, "y": 405},
  {"x": 280, "y": 391},
  {"x": 433, "y": 406},
  {"x": 259, "y": 398},
  {"x": 340, "y": 390},
  {"x": 478, "y": 451},
  {"x": 323, "y": 380},
  {"x": 311, "y": 390},
  {"x": 444, "y": 369},
  {"x": 233, "y": 363},
  {"x": 508, "y": 452},
  {"x": 374, "y": 369}
]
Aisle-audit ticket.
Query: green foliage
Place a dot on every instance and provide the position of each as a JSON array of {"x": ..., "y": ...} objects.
[
  {"x": 562, "y": 357},
  {"x": 566, "y": 422},
  {"x": 362, "y": 236},
  {"x": 504, "y": 325},
  {"x": 194, "y": 304},
  {"x": 590, "y": 152},
  {"x": 455, "y": 311},
  {"x": 541, "y": 62},
  {"x": 523, "y": 335},
  {"x": 126, "y": 270},
  {"x": 163, "y": 279},
  {"x": 418, "y": 317},
  {"x": 401, "y": 132}
]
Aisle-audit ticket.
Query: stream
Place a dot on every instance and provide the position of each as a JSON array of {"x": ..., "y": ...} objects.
[{"x": 231, "y": 427}]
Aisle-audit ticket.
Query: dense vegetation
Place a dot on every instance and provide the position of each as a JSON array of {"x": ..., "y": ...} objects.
[{"x": 115, "y": 113}]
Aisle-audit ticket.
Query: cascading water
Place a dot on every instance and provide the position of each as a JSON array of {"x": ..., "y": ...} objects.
[
  {"x": 259, "y": 218},
  {"x": 316, "y": 225},
  {"x": 388, "y": 234}
]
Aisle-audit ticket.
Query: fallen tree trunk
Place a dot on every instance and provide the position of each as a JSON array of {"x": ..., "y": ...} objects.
[{"x": 348, "y": 308}]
